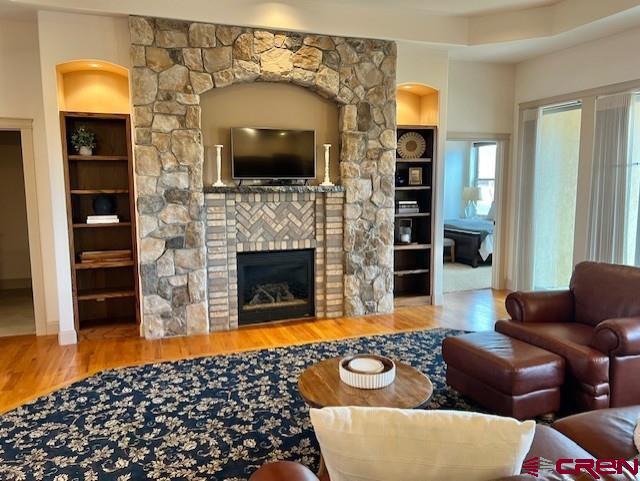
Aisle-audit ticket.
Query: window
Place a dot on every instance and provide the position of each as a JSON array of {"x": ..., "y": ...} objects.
[
  {"x": 485, "y": 175},
  {"x": 555, "y": 190},
  {"x": 632, "y": 221}
]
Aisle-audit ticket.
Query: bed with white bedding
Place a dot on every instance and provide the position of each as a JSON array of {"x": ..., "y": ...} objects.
[{"x": 473, "y": 238}]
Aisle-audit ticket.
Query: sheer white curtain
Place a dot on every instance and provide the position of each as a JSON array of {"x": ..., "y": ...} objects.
[
  {"x": 525, "y": 240},
  {"x": 633, "y": 213},
  {"x": 609, "y": 179}
]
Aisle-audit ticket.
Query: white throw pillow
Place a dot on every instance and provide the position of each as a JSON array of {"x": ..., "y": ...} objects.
[
  {"x": 381, "y": 444},
  {"x": 636, "y": 435}
]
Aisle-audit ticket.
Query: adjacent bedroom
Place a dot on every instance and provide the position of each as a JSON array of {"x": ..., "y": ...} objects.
[{"x": 469, "y": 213}]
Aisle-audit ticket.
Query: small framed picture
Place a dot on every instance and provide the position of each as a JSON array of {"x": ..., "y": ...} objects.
[{"x": 415, "y": 176}]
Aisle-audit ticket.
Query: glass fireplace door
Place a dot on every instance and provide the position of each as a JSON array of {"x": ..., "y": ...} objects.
[{"x": 275, "y": 285}]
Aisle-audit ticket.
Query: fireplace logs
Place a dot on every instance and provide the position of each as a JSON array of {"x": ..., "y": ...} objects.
[{"x": 266, "y": 295}]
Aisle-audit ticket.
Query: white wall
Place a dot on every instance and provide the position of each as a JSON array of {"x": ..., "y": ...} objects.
[
  {"x": 65, "y": 37},
  {"x": 21, "y": 97},
  {"x": 594, "y": 64},
  {"x": 456, "y": 173},
  {"x": 480, "y": 97}
]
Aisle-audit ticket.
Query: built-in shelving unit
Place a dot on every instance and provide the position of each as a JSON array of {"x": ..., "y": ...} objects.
[
  {"x": 412, "y": 261},
  {"x": 105, "y": 290}
]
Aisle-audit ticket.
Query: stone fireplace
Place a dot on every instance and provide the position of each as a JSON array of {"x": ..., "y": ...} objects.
[{"x": 189, "y": 283}]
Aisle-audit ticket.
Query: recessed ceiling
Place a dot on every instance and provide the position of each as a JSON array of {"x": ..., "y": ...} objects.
[
  {"x": 482, "y": 30},
  {"x": 450, "y": 7},
  {"x": 517, "y": 51}
]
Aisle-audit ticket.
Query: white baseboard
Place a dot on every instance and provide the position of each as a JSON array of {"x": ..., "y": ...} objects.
[
  {"x": 52, "y": 328},
  {"x": 67, "y": 337}
]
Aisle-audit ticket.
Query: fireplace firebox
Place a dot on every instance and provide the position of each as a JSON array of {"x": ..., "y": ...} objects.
[{"x": 275, "y": 285}]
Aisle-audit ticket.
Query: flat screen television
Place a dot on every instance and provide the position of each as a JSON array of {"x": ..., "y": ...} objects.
[{"x": 258, "y": 153}]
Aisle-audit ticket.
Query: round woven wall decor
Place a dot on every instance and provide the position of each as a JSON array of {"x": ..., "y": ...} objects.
[{"x": 411, "y": 145}]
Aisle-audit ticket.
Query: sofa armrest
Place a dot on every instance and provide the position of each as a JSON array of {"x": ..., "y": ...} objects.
[
  {"x": 283, "y": 471},
  {"x": 542, "y": 306},
  {"x": 618, "y": 337}
]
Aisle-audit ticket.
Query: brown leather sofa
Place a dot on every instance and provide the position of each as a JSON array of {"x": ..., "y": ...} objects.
[
  {"x": 594, "y": 325},
  {"x": 603, "y": 434}
]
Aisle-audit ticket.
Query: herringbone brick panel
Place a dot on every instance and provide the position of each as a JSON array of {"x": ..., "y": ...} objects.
[{"x": 275, "y": 221}]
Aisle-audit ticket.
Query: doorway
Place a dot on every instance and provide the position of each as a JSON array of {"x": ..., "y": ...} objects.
[
  {"x": 16, "y": 293},
  {"x": 471, "y": 212}
]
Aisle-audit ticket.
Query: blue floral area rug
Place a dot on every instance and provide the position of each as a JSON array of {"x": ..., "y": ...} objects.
[{"x": 214, "y": 418}]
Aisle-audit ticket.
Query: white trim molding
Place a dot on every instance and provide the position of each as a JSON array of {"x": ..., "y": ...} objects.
[
  {"x": 499, "y": 264},
  {"x": 25, "y": 127}
]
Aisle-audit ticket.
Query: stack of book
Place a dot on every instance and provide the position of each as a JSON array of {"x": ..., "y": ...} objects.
[
  {"x": 102, "y": 219},
  {"x": 407, "y": 207},
  {"x": 105, "y": 256}
]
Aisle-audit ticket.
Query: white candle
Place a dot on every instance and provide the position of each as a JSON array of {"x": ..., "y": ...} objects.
[
  {"x": 219, "y": 182},
  {"x": 327, "y": 180}
]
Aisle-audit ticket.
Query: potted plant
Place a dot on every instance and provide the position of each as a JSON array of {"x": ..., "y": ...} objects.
[{"x": 83, "y": 141}]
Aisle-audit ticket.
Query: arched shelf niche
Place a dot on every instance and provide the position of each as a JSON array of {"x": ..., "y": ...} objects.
[
  {"x": 93, "y": 86},
  {"x": 417, "y": 104}
]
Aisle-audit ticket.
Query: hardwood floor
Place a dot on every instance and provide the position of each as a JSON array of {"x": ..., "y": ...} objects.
[{"x": 32, "y": 366}]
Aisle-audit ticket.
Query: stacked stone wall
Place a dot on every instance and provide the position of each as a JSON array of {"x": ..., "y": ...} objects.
[{"x": 174, "y": 63}]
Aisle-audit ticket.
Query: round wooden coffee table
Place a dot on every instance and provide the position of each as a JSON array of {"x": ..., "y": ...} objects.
[{"x": 320, "y": 386}]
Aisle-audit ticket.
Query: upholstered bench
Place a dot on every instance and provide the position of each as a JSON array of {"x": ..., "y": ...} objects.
[{"x": 504, "y": 375}]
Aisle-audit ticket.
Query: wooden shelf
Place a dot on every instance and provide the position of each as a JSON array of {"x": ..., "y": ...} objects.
[
  {"x": 99, "y": 191},
  {"x": 414, "y": 187},
  {"x": 406, "y": 301},
  {"x": 99, "y": 294},
  {"x": 410, "y": 272},
  {"x": 415, "y": 214},
  {"x": 424, "y": 160},
  {"x": 412, "y": 247},
  {"x": 100, "y": 226},
  {"x": 99, "y": 157},
  {"x": 103, "y": 265}
]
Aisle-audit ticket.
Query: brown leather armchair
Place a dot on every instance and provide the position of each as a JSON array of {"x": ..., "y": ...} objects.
[{"x": 594, "y": 325}]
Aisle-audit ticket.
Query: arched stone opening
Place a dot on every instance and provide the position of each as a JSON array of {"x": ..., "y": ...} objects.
[{"x": 275, "y": 105}]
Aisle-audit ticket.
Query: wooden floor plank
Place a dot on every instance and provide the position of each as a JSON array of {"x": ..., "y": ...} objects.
[{"x": 32, "y": 366}]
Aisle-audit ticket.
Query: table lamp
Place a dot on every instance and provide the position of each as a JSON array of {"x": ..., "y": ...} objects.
[{"x": 471, "y": 195}]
